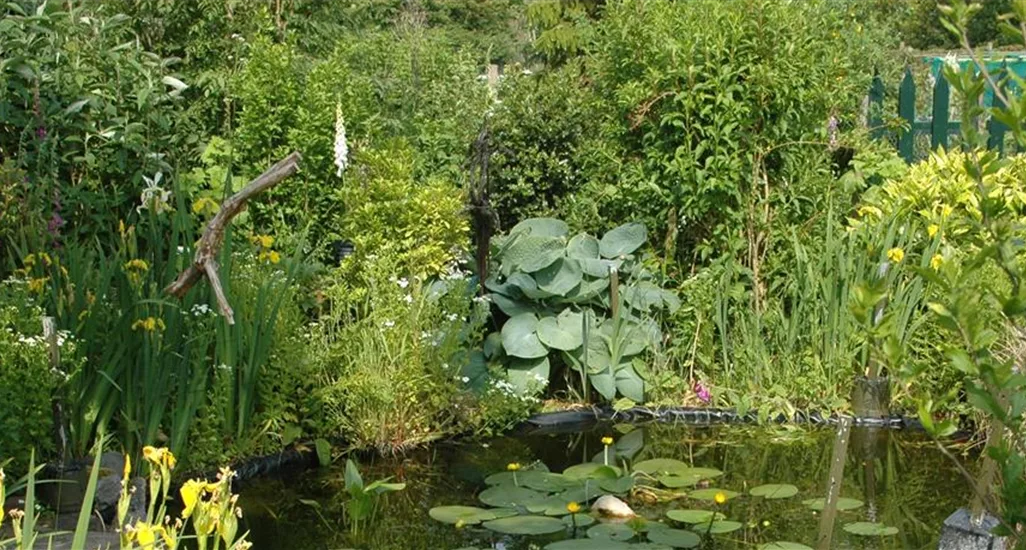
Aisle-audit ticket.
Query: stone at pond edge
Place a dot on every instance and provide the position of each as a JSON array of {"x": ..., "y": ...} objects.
[
  {"x": 610, "y": 506},
  {"x": 959, "y": 533}
]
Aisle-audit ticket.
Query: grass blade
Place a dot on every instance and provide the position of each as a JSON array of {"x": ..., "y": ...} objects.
[{"x": 82, "y": 527}]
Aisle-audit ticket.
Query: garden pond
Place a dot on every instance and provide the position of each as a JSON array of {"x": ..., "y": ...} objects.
[{"x": 764, "y": 485}]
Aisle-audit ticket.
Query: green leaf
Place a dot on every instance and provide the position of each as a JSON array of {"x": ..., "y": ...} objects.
[
  {"x": 528, "y": 375},
  {"x": 519, "y": 337},
  {"x": 611, "y": 531},
  {"x": 323, "y": 449},
  {"x": 469, "y": 515},
  {"x": 710, "y": 494},
  {"x": 591, "y": 470},
  {"x": 510, "y": 306},
  {"x": 493, "y": 345},
  {"x": 598, "y": 268},
  {"x": 866, "y": 529},
  {"x": 694, "y": 516},
  {"x": 353, "y": 479},
  {"x": 560, "y": 277},
  {"x": 543, "y": 227},
  {"x": 783, "y": 545},
  {"x": 510, "y": 496},
  {"x": 589, "y": 544},
  {"x": 843, "y": 503},
  {"x": 658, "y": 466},
  {"x": 525, "y": 525},
  {"x": 629, "y": 384},
  {"x": 531, "y": 253},
  {"x": 677, "y": 538},
  {"x": 527, "y": 286},
  {"x": 718, "y": 527},
  {"x": 583, "y": 247},
  {"x": 76, "y": 106},
  {"x": 774, "y": 491},
  {"x": 623, "y": 240},
  {"x": 178, "y": 85},
  {"x": 86, "y": 512},
  {"x": 561, "y": 336}
]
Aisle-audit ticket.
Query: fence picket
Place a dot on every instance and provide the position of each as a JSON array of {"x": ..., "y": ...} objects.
[
  {"x": 907, "y": 112},
  {"x": 940, "y": 123},
  {"x": 995, "y": 128}
]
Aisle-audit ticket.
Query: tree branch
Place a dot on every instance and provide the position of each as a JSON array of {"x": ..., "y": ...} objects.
[{"x": 204, "y": 263}]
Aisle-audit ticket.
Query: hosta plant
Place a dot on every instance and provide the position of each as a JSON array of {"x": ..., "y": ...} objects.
[{"x": 588, "y": 302}]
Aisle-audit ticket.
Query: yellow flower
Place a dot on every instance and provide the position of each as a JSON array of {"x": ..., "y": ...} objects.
[
  {"x": 720, "y": 497},
  {"x": 29, "y": 261},
  {"x": 160, "y": 457},
  {"x": 932, "y": 230},
  {"x": 149, "y": 324},
  {"x": 190, "y": 493},
  {"x": 146, "y": 534},
  {"x": 607, "y": 441},
  {"x": 137, "y": 265},
  {"x": 513, "y": 466},
  {"x": 896, "y": 255},
  {"x": 37, "y": 285},
  {"x": 936, "y": 261},
  {"x": 263, "y": 241},
  {"x": 274, "y": 257},
  {"x": 765, "y": 523},
  {"x": 460, "y": 523},
  {"x": 573, "y": 507}
]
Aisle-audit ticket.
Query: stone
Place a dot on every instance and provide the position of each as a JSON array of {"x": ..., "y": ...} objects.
[
  {"x": 610, "y": 506},
  {"x": 960, "y": 533}
]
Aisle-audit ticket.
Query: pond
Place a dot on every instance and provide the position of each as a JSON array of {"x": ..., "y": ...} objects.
[{"x": 897, "y": 480}]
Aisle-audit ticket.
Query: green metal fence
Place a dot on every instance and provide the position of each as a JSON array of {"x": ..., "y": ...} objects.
[{"x": 938, "y": 124}]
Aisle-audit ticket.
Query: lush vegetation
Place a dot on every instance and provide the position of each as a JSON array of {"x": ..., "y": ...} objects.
[{"x": 655, "y": 203}]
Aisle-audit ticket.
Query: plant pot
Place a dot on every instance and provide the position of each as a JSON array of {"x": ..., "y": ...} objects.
[{"x": 871, "y": 397}]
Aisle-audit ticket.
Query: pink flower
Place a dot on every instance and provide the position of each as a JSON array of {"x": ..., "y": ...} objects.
[{"x": 702, "y": 392}]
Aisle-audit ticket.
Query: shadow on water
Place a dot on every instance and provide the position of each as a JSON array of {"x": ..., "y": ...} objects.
[{"x": 903, "y": 479}]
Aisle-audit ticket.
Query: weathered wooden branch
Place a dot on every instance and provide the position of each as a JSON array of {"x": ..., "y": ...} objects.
[{"x": 205, "y": 260}]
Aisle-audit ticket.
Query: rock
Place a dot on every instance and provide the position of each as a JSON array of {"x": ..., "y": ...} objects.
[
  {"x": 959, "y": 533},
  {"x": 610, "y": 506}
]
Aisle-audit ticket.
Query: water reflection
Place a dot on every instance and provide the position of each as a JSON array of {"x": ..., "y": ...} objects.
[{"x": 903, "y": 479}]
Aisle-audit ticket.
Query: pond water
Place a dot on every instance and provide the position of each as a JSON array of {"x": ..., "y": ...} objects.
[{"x": 901, "y": 479}]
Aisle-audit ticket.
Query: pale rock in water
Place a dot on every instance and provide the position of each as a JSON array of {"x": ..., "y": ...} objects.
[{"x": 608, "y": 505}]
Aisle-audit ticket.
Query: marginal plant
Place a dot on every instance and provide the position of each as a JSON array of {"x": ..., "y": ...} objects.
[
  {"x": 564, "y": 297},
  {"x": 362, "y": 504}
]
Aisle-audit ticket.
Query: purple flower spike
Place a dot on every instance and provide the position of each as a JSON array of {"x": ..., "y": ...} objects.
[{"x": 702, "y": 392}]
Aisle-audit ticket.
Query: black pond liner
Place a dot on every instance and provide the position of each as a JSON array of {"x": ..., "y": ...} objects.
[{"x": 578, "y": 419}]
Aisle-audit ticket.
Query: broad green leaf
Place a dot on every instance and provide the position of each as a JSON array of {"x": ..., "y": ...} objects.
[
  {"x": 660, "y": 466},
  {"x": 866, "y": 529},
  {"x": 519, "y": 338},
  {"x": 591, "y": 470},
  {"x": 629, "y": 384},
  {"x": 557, "y": 336},
  {"x": 543, "y": 227},
  {"x": 694, "y": 516},
  {"x": 588, "y": 544},
  {"x": 611, "y": 531},
  {"x": 774, "y": 491},
  {"x": 560, "y": 277},
  {"x": 583, "y": 247},
  {"x": 527, "y": 286},
  {"x": 623, "y": 240},
  {"x": 525, "y": 525},
  {"x": 598, "y": 268},
  {"x": 531, "y": 253},
  {"x": 677, "y": 538},
  {"x": 510, "y": 306},
  {"x": 528, "y": 375},
  {"x": 843, "y": 503},
  {"x": 784, "y": 545},
  {"x": 469, "y": 515},
  {"x": 510, "y": 496},
  {"x": 718, "y": 527}
]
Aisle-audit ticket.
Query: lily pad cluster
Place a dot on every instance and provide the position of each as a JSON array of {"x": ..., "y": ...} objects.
[{"x": 557, "y": 291}]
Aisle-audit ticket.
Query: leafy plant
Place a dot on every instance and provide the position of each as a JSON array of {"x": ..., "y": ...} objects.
[
  {"x": 564, "y": 295},
  {"x": 363, "y": 499}
]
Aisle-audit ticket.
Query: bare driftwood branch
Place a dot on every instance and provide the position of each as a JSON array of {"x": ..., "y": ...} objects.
[{"x": 205, "y": 261}]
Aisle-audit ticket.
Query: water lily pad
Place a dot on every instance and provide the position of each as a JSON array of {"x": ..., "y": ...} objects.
[
  {"x": 710, "y": 494},
  {"x": 702, "y": 473},
  {"x": 774, "y": 491},
  {"x": 591, "y": 470},
  {"x": 717, "y": 527},
  {"x": 618, "y": 486},
  {"x": 549, "y": 482},
  {"x": 611, "y": 531},
  {"x": 508, "y": 496},
  {"x": 677, "y": 538},
  {"x": 661, "y": 466},
  {"x": 506, "y": 478},
  {"x": 784, "y": 545},
  {"x": 525, "y": 525},
  {"x": 581, "y": 520},
  {"x": 694, "y": 516},
  {"x": 866, "y": 529},
  {"x": 676, "y": 482},
  {"x": 588, "y": 544},
  {"x": 469, "y": 515},
  {"x": 843, "y": 503}
]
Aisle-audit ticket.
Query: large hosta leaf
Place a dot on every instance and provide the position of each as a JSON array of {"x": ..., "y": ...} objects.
[
  {"x": 623, "y": 240},
  {"x": 527, "y": 286},
  {"x": 512, "y": 306},
  {"x": 520, "y": 339},
  {"x": 544, "y": 227},
  {"x": 598, "y": 268},
  {"x": 643, "y": 296},
  {"x": 560, "y": 335},
  {"x": 560, "y": 277},
  {"x": 530, "y": 253},
  {"x": 629, "y": 384},
  {"x": 528, "y": 375},
  {"x": 583, "y": 247}
]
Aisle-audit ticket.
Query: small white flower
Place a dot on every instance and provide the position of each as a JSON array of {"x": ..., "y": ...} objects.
[
  {"x": 389, "y": 324},
  {"x": 465, "y": 379},
  {"x": 403, "y": 283},
  {"x": 445, "y": 365},
  {"x": 341, "y": 147},
  {"x": 408, "y": 299},
  {"x": 452, "y": 317}
]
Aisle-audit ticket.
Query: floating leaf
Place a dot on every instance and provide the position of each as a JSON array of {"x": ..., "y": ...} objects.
[
  {"x": 525, "y": 525},
  {"x": 509, "y": 496},
  {"x": 843, "y": 503},
  {"x": 618, "y": 486},
  {"x": 623, "y": 240},
  {"x": 580, "y": 520},
  {"x": 676, "y": 482},
  {"x": 519, "y": 338},
  {"x": 470, "y": 515},
  {"x": 611, "y": 531},
  {"x": 694, "y": 516},
  {"x": 703, "y": 473},
  {"x": 784, "y": 545},
  {"x": 866, "y": 529},
  {"x": 657, "y": 466},
  {"x": 591, "y": 470},
  {"x": 678, "y": 538},
  {"x": 710, "y": 494},
  {"x": 774, "y": 491},
  {"x": 717, "y": 527},
  {"x": 588, "y": 544}
]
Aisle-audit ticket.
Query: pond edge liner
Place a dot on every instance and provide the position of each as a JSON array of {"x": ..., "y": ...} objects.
[{"x": 570, "y": 419}]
